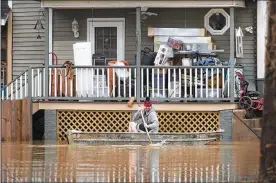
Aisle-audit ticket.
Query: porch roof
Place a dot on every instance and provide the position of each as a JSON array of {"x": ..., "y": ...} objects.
[{"x": 143, "y": 3}]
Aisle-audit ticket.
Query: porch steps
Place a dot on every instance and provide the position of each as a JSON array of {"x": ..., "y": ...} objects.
[{"x": 254, "y": 124}]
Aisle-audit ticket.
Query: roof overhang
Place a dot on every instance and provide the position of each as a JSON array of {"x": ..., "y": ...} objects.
[{"x": 142, "y": 3}]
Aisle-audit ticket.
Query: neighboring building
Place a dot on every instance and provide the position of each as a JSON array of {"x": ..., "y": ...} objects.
[
  {"x": 5, "y": 42},
  {"x": 44, "y": 27}
]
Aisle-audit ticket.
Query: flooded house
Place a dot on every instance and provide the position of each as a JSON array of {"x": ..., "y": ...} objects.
[{"x": 76, "y": 64}]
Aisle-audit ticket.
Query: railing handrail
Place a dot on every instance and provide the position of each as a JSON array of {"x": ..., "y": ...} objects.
[{"x": 134, "y": 66}]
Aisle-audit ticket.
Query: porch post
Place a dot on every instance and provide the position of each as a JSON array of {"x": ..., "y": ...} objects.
[
  {"x": 46, "y": 57},
  {"x": 138, "y": 54},
  {"x": 232, "y": 54}
]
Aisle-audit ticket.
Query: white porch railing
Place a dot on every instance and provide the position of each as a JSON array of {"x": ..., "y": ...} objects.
[
  {"x": 167, "y": 83},
  {"x": 17, "y": 89}
]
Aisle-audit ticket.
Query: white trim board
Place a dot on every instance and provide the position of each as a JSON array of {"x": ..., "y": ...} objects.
[
  {"x": 109, "y": 22},
  {"x": 143, "y": 3}
]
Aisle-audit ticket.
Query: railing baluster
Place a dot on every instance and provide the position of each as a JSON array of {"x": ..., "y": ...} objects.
[
  {"x": 38, "y": 82},
  {"x": 129, "y": 82},
  {"x": 119, "y": 85},
  {"x": 174, "y": 83},
  {"x": 152, "y": 82},
  {"x": 66, "y": 76},
  {"x": 55, "y": 80},
  {"x": 113, "y": 82},
  {"x": 77, "y": 77},
  {"x": 142, "y": 81},
  {"x": 185, "y": 82},
  {"x": 201, "y": 83},
  {"x": 33, "y": 83},
  {"x": 179, "y": 82},
  {"x": 164, "y": 79},
  {"x": 71, "y": 85},
  {"x": 87, "y": 76},
  {"x": 212, "y": 82},
  {"x": 217, "y": 82},
  {"x": 195, "y": 82},
  {"x": 7, "y": 95},
  {"x": 16, "y": 91},
  {"x": 60, "y": 82},
  {"x": 158, "y": 80},
  {"x": 50, "y": 82},
  {"x": 191, "y": 83},
  {"x": 147, "y": 82},
  {"x": 169, "y": 80},
  {"x": 93, "y": 77},
  {"x": 135, "y": 83},
  {"x": 21, "y": 87},
  {"x": 108, "y": 82},
  {"x": 97, "y": 85},
  {"x": 43, "y": 79},
  {"x": 12, "y": 91},
  {"x": 124, "y": 83},
  {"x": 26, "y": 83},
  {"x": 81, "y": 81},
  {"x": 207, "y": 83},
  {"x": 228, "y": 88},
  {"x": 223, "y": 82},
  {"x": 103, "y": 86}
]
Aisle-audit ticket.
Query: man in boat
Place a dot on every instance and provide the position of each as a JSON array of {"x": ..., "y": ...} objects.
[{"x": 150, "y": 117}]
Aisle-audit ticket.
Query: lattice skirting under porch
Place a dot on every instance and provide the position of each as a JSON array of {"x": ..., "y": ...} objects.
[{"x": 117, "y": 121}]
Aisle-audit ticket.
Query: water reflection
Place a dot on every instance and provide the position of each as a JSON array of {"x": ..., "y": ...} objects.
[{"x": 61, "y": 163}]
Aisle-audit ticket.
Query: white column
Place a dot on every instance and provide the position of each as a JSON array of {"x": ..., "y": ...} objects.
[
  {"x": 262, "y": 13},
  {"x": 50, "y": 35}
]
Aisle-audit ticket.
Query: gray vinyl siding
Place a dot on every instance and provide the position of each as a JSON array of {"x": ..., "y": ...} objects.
[
  {"x": 27, "y": 50},
  {"x": 171, "y": 18}
]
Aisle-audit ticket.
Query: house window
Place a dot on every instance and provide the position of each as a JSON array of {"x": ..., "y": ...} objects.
[
  {"x": 217, "y": 21},
  {"x": 106, "y": 42}
]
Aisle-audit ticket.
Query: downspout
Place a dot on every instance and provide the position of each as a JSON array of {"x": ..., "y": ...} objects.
[{"x": 262, "y": 20}]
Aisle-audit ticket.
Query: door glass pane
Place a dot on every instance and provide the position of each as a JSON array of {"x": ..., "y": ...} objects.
[{"x": 106, "y": 42}]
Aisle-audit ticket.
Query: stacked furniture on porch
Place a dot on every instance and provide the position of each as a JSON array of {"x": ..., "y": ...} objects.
[{"x": 186, "y": 47}]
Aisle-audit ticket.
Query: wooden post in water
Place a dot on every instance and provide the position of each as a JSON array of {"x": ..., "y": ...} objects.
[{"x": 268, "y": 138}]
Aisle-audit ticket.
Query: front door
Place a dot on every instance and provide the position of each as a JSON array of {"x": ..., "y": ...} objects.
[{"x": 107, "y": 37}]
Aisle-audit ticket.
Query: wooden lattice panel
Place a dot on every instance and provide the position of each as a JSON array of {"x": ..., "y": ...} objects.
[
  {"x": 114, "y": 121},
  {"x": 188, "y": 121},
  {"x": 92, "y": 121}
]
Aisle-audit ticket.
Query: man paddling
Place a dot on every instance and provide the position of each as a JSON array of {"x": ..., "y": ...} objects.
[{"x": 150, "y": 116}]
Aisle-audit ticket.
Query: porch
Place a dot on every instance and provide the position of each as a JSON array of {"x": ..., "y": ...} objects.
[{"x": 97, "y": 80}]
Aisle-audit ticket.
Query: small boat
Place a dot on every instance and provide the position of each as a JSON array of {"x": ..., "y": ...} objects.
[{"x": 130, "y": 138}]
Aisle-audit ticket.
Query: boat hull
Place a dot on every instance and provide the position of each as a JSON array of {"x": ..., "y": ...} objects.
[{"x": 127, "y": 138}]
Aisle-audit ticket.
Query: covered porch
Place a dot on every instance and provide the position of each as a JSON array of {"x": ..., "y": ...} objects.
[{"x": 128, "y": 33}]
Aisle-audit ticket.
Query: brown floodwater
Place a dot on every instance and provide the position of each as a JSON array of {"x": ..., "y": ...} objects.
[{"x": 50, "y": 162}]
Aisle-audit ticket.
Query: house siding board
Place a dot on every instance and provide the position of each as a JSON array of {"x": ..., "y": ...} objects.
[{"x": 27, "y": 50}]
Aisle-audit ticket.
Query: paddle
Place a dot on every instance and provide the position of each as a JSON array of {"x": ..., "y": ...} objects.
[{"x": 145, "y": 126}]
